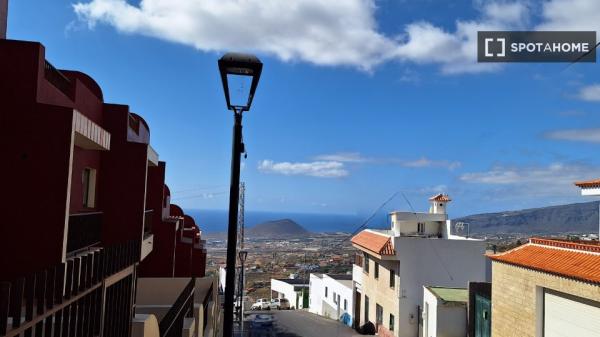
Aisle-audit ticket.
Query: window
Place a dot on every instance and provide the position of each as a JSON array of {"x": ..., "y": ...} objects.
[
  {"x": 338, "y": 299},
  {"x": 376, "y": 270},
  {"x": 334, "y": 297},
  {"x": 378, "y": 315},
  {"x": 421, "y": 227},
  {"x": 326, "y": 292},
  {"x": 366, "y": 308},
  {"x": 345, "y": 304},
  {"x": 88, "y": 181},
  {"x": 392, "y": 278},
  {"x": 391, "y": 326},
  {"x": 366, "y": 261}
]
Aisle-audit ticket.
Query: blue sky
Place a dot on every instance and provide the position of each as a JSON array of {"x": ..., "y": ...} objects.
[{"x": 358, "y": 99}]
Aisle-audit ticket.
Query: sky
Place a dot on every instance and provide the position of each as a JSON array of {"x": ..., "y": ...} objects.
[{"x": 358, "y": 99}]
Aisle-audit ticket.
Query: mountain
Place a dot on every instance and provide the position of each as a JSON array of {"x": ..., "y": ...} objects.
[
  {"x": 572, "y": 218},
  {"x": 277, "y": 228}
]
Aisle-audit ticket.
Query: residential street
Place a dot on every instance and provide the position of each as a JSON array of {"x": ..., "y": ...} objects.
[{"x": 300, "y": 323}]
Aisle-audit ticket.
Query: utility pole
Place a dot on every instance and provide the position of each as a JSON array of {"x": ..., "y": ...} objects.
[{"x": 241, "y": 245}]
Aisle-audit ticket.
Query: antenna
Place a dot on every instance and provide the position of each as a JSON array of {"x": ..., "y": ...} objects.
[{"x": 241, "y": 215}]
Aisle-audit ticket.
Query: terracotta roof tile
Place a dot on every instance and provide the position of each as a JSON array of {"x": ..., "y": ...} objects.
[
  {"x": 588, "y": 183},
  {"x": 379, "y": 244},
  {"x": 576, "y": 260},
  {"x": 440, "y": 197}
]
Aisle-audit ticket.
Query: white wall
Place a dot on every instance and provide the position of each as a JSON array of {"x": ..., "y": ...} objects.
[
  {"x": 286, "y": 290},
  {"x": 429, "y": 301},
  {"x": 343, "y": 289},
  {"x": 435, "y": 262},
  {"x": 452, "y": 321},
  {"x": 316, "y": 292}
]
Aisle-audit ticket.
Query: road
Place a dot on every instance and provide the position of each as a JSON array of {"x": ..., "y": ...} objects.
[{"x": 296, "y": 323}]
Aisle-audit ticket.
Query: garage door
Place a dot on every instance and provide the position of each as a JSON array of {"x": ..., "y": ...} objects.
[{"x": 569, "y": 316}]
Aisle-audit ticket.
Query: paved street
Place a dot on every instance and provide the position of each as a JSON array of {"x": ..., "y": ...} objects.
[{"x": 296, "y": 323}]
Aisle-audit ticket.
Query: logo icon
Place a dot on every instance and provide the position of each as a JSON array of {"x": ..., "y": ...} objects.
[{"x": 502, "y": 42}]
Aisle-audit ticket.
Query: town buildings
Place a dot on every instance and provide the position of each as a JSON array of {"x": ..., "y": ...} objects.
[
  {"x": 330, "y": 295},
  {"x": 547, "y": 288},
  {"x": 419, "y": 249},
  {"x": 90, "y": 204}
]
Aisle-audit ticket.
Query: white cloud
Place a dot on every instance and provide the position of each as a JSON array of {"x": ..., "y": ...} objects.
[
  {"x": 553, "y": 180},
  {"x": 321, "y": 169},
  {"x": 570, "y": 15},
  {"x": 426, "y": 162},
  {"x": 590, "y": 93},
  {"x": 591, "y": 135},
  {"x": 317, "y": 31},
  {"x": 345, "y": 157}
]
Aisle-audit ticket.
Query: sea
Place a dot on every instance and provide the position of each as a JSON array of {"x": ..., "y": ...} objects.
[{"x": 211, "y": 221}]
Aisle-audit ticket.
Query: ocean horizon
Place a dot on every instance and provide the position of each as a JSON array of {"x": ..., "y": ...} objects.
[{"x": 211, "y": 221}]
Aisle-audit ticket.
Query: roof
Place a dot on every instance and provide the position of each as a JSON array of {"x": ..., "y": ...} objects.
[
  {"x": 340, "y": 276},
  {"x": 588, "y": 183},
  {"x": 450, "y": 294},
  {"x": 292, "y": 280},
  {"x": 440, "y": 197},
  {"x": 577, "y": 260},
  {"x": 374, "y": 242}
]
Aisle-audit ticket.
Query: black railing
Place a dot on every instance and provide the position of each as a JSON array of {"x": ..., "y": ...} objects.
[
  {"x": 67, "y": 299},
  {"x": 57, "y": 79},
  {"x": 148, "y": 222},
  {"x": 85, "y": 230},
  {"x": 171, "y": 324}
]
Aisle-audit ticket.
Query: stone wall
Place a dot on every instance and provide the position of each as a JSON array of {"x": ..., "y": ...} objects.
[{"x": 517, "y": 298}]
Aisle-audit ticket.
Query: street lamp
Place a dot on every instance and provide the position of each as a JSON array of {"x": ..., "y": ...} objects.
[
  {"x": 242, "y": 255},
  {"x": 240, "y": 74}
]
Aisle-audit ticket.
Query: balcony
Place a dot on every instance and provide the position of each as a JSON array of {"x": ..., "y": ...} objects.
[
  {"x": 85, "y": 230},
  {"x": 57, "y": 79},
  {"x": 148, "y": 214}
]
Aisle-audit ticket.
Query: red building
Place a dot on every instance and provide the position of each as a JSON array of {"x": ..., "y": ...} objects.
[{"x": 85, "y": 203}]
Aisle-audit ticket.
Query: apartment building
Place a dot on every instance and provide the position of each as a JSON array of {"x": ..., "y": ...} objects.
[
  {"x": 331, "y": 295},
  {"x": 547, "y": 288},
  {"x": 84, "y": 209},
  {"x": 419, "y": 249}
]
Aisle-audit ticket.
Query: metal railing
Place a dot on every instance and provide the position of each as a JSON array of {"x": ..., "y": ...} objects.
[
  {"x": 67, "y": 299},
  {"x": 85, "y": 230},
  {"x": 171, "y": 324},
  {"x": 56, "y": 78}
]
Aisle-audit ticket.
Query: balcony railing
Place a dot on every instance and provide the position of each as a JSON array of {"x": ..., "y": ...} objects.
[
  {"x": 67, "y": 299},
  {"x": 148, "y": 222},
  {"x": 172, "y": 323},
  {"x": 57, "y": 79},
  {"x": 85, "y": 230}
]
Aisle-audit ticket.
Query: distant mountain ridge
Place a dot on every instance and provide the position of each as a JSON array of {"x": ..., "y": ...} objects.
[
  {"x": 571, "y": 218},
  {"x": 277, "y": 228}
]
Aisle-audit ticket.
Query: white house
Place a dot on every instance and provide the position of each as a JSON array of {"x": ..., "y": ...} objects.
[
  {"x": 393, "y": 266},
  {"x": 445, "y": 311},
  {"x": 295, "y": 290},
  {"x": 332, "y": 296},
  {"x": 316, "y": 291}
]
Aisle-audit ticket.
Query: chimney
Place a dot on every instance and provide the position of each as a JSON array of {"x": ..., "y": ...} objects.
[{"x": 3, "y": 18}]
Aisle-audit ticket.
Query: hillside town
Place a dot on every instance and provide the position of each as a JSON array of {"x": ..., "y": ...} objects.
[{"x": 94, "y": 243}]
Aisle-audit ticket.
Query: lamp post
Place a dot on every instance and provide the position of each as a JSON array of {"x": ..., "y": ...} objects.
[
  {"x": 242, "y": 255},
  {"x": 240, "y": 74}
]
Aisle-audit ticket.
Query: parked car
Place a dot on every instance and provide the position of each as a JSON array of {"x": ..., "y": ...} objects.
[
  {"x": 280, "y": 304},
  {"x": 261, "y": 304}
]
